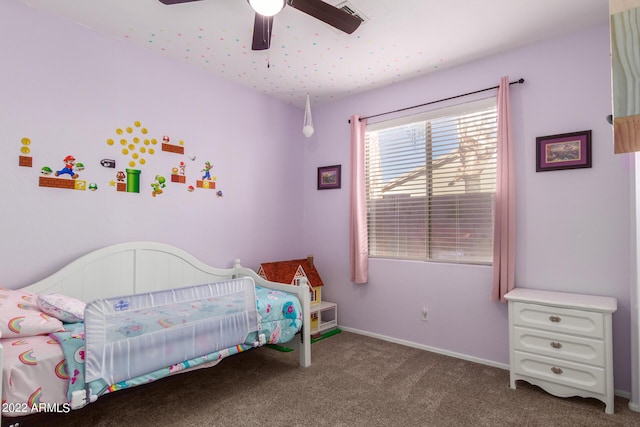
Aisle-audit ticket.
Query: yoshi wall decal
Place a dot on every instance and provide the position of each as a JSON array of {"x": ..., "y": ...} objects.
[{"x": 158, "y": 185}]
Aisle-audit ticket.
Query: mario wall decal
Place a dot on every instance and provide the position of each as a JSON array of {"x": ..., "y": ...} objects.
[
  {"x": 71, "y": 168},
  {"x": 69, "y": 163}
]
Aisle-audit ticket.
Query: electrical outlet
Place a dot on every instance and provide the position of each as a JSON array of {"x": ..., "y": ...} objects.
[{"x": 425, "y": 314}]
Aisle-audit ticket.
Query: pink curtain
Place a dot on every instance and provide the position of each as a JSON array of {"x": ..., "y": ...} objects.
[
  {"x": 358, "y": 238},
  {"x": 504, "y": 237}
]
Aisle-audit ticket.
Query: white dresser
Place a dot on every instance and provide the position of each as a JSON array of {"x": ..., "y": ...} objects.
[{"x": 562, "y": 343}]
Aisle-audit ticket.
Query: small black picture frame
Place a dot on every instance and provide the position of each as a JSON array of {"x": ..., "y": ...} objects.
[{"x": 329, "y": 177}]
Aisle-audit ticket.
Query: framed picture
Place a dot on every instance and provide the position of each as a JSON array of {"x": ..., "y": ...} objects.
[
  {"x": 563, "y": 151},
  {"x": 329, "y": 177}
]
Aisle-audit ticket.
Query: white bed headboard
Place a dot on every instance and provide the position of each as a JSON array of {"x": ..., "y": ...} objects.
[{"x": 129, "y": 268}]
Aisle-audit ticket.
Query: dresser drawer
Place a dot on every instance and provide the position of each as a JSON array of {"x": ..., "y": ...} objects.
[
  {"x": 576, "y": 375},
  {"x": 558, "y": 319},
  {"x": 567, "y": 347}
]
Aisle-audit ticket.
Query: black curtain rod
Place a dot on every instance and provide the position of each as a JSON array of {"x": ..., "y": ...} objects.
[{"x": 439, "y": 100}]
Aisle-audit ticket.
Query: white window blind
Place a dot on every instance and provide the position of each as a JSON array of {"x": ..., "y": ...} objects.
[{"x": 431, "y": 184}]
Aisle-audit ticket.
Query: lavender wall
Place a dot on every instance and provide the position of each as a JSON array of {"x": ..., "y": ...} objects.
[
  {"x": 68, "y": 89},
  {"x": 573, "y": 226}
]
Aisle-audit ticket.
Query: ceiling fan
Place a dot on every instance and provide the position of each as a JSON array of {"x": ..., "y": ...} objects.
[{"x": 266, "y": 9}]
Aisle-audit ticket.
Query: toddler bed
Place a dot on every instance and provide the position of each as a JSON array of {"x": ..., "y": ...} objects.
[{"x": 151, "y": 312}]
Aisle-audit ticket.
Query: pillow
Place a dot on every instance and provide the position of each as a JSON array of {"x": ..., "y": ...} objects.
[
  {"x": 67, "y": 309},
  {"x": 20, "y": 315}
]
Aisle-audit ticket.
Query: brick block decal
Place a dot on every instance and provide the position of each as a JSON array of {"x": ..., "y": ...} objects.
[
  {"x": 179, "y": 178},
  {"x": 171, "y": 148},
  {"x": 211, "y": 185},
  {"x": 69, "y": 184},
  {"x": 26, "y": 161}
]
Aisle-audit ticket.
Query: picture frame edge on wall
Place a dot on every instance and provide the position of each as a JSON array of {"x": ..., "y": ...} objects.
[
  {"x": 574, "y": 146},
  {"x": 329, "y": 177}
]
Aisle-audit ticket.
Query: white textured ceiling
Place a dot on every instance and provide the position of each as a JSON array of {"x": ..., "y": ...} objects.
[{"x": 400, "y": 39}]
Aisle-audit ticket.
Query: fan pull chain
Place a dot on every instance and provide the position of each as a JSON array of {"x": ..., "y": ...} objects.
[{"x": 268, "y": 46}]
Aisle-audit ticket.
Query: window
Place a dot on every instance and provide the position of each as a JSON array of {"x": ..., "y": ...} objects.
[{"x": 431, "y": 184}]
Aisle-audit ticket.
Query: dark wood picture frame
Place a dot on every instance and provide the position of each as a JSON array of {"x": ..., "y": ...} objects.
[
  {"x": 329, "y": 177},
  {"x": 563, "y": 151}
]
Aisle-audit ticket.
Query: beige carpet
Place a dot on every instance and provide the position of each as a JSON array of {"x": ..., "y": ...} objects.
[{"x": 353, "y": 381}]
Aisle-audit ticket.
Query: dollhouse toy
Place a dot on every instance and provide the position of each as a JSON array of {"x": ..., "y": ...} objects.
[{"x": 291, "y": 271}]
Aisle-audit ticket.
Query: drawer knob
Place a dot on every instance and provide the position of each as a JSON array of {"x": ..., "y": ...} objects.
[
  {"x": 556, "y": 344},
  {"x": 556, "y": 370},
  {"x": 555, "y": 319}
]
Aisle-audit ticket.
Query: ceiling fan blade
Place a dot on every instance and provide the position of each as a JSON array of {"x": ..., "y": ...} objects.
[
  {"x": 262, "y": 26},
  {"x": 176, "y": 1},
  {"x": 327, "y": 13}
]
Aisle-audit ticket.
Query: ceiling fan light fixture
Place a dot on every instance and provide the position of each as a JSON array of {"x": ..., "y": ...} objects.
[{"x": 267, "y": 7}]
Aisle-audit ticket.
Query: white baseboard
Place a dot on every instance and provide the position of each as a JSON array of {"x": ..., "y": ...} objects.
[
  {"x": 428, "y": 348},
  {"x": 504, "y": 366}
]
